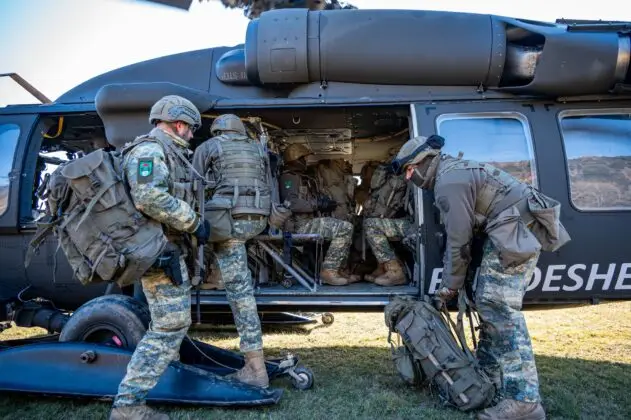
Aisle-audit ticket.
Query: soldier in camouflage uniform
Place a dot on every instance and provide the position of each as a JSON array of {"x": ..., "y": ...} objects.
[
  {"x": 385, "y": 219},
  {"x": 302, "y": 191},
  {"x": 152, "y": 168},
  {"x": 236, "y": 167},
  {"x": 519, "y": 222}
]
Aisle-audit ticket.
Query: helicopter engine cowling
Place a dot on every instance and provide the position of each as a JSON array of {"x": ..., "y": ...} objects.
[{"x": 430, "y": 48}]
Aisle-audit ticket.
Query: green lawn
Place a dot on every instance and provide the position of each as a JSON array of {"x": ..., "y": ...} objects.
[{"x": 583, "y": 356}]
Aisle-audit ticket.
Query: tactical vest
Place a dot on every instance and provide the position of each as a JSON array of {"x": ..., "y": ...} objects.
[
  {"x": 240, "y": 173},
  {"x": 306, "y": 189},
  {"x": 387, "y": 194},
  {"x": 499, "y": 191},
  {"x": 180, "y": 183}
]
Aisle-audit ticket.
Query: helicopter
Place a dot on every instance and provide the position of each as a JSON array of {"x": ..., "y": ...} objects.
[{"x": 548, "y": 102}]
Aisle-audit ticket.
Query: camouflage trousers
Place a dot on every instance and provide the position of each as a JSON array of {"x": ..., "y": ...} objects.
[
  {"x": 339, "y": 232},
  {"x": 505, "y": 350},
  {"x": 170, "y": 308},
  {"x": 378, "y": 231},
  {"x": 232, "y": 259}
]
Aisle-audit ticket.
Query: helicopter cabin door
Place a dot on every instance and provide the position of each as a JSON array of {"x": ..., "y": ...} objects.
[
  {"x": 14, "y": 133},
  {"x": 498, "y": 133}
]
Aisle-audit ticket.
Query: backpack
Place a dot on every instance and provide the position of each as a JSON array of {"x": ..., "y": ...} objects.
[
  {"x": 430, "y": 353},
  {"x": 91, "y": 212}
]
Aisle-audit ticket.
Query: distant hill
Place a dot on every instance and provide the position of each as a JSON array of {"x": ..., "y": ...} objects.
[
  {"x": 596, "y": 182},
  {"x": 4, "y": 198}
]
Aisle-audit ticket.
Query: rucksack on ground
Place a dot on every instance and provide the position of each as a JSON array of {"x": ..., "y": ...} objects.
[
  {"x": 90, "y": 211},
  {"x": 431, "y": 354}
]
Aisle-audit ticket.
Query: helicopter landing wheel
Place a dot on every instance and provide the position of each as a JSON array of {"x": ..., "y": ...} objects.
[{"x": 327, "y": 318}]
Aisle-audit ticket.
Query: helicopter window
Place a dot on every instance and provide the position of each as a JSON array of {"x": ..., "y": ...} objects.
[
  {"x": 500, "y": 139},
  {"x": 598, "y": 152},
  {"x": 9, "y": 134}
]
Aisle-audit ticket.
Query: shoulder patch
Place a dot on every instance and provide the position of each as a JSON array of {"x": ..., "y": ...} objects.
[
  {"x": 145, "y": 170},
  {"x": 288, "y": 184}
]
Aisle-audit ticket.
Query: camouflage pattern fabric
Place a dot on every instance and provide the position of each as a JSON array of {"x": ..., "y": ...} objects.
[
  {"x": 170, "y": 308},
  {"x": 505, "y": 350},
  {"x": 379, "y": 231},
  {"x": 232, "y": 260},
  {"x": 339, "y": 232},
  {"x": 149, "y": 188}
]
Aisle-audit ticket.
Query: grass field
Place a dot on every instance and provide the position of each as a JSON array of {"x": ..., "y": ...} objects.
[{"x": 583, "y": 356}]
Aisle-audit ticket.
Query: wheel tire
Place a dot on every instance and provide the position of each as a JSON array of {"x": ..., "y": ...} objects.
[
  {"x": 116, "y": 320},
  {"x": 327, "y": 318},
  {"x": 307, "y": 378}
]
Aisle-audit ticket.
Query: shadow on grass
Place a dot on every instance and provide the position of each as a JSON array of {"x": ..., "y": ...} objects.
[{"x": 360, "y": 382}]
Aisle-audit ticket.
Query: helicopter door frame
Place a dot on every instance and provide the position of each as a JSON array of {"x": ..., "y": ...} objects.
[
  {"x": 420, "y": 272},
  {"x": 427, "y": 118},
  {"x": 25, "y": 123}
]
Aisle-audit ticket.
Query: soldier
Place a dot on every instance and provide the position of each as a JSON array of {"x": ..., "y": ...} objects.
[
  {"x": 303, "y": 192},
  {"x": 336, "y": 180},
  {"x": 519, "y": 222},
  {"x": 152, "y": 167},
  {"x": 385, "y": 219},
  {"x": 236, "y": 167}
]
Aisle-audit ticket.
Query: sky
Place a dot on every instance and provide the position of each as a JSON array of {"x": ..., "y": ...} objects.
[{"x": 57, "y": 44}]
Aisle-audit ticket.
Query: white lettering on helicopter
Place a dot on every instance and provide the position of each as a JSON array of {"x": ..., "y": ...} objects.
[
  {"x": 233, "y": 75},
  {"x": 568, "y": 279}
]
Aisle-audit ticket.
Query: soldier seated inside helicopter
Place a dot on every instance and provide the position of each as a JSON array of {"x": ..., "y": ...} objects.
[
  {"x": 349, "y": 213},
  {"x": 348, "y": 220}
]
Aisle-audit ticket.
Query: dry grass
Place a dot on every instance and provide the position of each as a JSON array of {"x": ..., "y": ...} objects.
[{"x": 583, "y": 356}]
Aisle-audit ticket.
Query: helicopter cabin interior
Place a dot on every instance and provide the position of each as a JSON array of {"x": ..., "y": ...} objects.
[{"x": 357, "y": 136}]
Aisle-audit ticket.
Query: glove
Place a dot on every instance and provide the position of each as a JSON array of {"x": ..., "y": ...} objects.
[
  {"x": 445, "y": 294},
  {"x": 326, "y": 204},
  {"x": 202, "y": 233}
]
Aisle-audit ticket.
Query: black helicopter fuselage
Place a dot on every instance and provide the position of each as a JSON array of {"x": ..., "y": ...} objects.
[{"x": 547, "y": 102}]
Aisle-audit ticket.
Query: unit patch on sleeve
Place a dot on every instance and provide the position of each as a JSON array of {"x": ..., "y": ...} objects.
[
  {"x": 145, "y": 170},
  {"x": 288, "y": 184}
]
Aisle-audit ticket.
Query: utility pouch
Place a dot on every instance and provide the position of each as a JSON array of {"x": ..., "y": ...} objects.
[{"x": 218, "y": 212}]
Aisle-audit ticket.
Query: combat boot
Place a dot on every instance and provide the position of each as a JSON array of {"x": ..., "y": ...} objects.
[
  {"x": 136, "y": 412},
  {"x": 335, "y": 278},
  {"x": 508, "y": 409},
  {"x": 213, "y": 280},
  {"x": 353, "y": 278},
  {"x": 378, "y": 271},
  {"x": 254, "y": 372},
  {"x": 393, "y": 276}
]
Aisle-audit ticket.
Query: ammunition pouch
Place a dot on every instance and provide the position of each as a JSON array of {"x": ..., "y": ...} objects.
[{"x": 218, "y": 212}]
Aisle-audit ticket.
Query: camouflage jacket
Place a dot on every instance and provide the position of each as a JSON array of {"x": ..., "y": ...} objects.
[
  {"x": 469, "y": 193},
  {"x": 158, "y": 183}
]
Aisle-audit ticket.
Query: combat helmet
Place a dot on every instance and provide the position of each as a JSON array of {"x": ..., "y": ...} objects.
[
  {"x": 227, "y": 122},
  {"x": 415, "y": 150},
  {"x": 173, "y": 108},
  {"x": 295, "y": 151}
]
